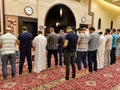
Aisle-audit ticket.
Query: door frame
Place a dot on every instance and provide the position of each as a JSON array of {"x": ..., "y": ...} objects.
[{"x": 26, "y": 19}]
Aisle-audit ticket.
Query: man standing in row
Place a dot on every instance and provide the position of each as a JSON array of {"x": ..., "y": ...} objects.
[
  {"x": 39, "y": 43},
  {"x": 52, "y": 47},
  {"x": 61, "y": 40},
  {"x": 7, "y": 44},
  {"x": 92, "y": 49},
  {"x": 108, "y": 47},
  {"x": 101, "y": 50},
  {"x": 114, "y": 43},
  {"x": 82, "y": 49},
  {"x": 70, "y": 46},
  {"x": 25, "y": 42}
]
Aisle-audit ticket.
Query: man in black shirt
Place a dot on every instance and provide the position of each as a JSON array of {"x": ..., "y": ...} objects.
[
  {"x": 25, "y": 42},
  {"x": 70, "y": 47}
]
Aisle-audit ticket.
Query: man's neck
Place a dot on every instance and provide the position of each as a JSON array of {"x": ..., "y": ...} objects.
[{"x": 24, "y": 31}]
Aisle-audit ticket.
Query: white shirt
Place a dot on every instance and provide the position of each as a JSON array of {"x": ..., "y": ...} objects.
[
  {"x": 108, "y": 45},
  {"x": 8, "y": 42}
]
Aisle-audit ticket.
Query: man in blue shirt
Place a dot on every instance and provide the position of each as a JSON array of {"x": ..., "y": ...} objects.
[
  {"x": 70, "y": 47},
  {"x": 25, "y": 42},
  {"x": 92, "y": 49},
  {"x": 114, "y": 42}
]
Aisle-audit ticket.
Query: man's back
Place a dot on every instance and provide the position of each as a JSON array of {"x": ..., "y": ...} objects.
[
  {"x": 101, "y": 42},
  {"x": 25, "y": 41},
  {"x": 61, "y": 40},
  {"x": 40, "y": 40},
  {"x": 108, "y": 45},
  {"x": 72, "y": 38},
  {"x": 8, "y": 42},
  {"x": 93, "y": 41},
  {"x": 52, "y": 41},
  {"x": 114, "y": 41},
  {"x": 83, "y": 39}
]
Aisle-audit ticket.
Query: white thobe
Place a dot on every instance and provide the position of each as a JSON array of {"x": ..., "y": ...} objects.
[
  {"x": 101, "y": 52},
  {"x": 40, "y": 43},
  {"x": 108, "y": 47}
]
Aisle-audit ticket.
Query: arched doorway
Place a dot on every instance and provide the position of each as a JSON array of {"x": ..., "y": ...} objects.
[{"x": 59, "y": 17}]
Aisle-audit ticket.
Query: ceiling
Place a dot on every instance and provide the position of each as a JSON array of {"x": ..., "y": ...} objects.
[{"x": 115, "y": 2}]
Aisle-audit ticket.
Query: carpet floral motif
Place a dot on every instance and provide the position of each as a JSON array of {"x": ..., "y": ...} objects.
[{"x": 54, "y": 79}]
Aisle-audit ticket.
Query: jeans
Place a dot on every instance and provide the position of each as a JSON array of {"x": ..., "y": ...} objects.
[
  {"x": 54, "y": 52},
  {"x": 70, "y": 59},
  {"x": 5, "y": 58},
  {"x": 61, "y": 50},
  {"x": 113, "y": 56},
  {"x": 92, "y": 58},
  {"x": 24, "y": 54},
  {"x": 81, "y": 57}
]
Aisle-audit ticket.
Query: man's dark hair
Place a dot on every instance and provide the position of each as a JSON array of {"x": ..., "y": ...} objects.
[
  {"x": 100, "y": 33},
  {"x": 79, "y": 29},
  {"x": 40, "y": 32},
  {"x": 118, "y": 29},
  {"x": 107, "y": 30},
  {"x": 24, "y": 29},
  {"x": 69, "y": 27},
  {"x": 114, "y": 30},
  {"x": 92, "y": 28}
]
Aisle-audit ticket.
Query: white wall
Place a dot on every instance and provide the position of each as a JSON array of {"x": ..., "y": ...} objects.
[{"x": 106, "y": 12}]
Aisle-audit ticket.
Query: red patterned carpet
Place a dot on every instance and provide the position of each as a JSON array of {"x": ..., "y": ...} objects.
[{"x": 53, "y": 79}]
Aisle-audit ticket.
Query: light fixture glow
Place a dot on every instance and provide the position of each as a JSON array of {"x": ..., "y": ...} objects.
[
  {"x": 112, "y": 6},
  {"x": 57, "y": 24},
  {"x": 115, "y": 0},
  {"x": 61, "y": 12}
]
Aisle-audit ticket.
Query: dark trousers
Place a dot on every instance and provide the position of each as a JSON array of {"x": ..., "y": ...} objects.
[
  {"x": 50, "y": 52},
  {"x": 24, "y": 54},
  {"x": 81, "y": 57},
  {"x": 92, "y": 59},
  {"x": 113, "y": 56},
  {"x": 5, "y": 58},
  {"x": 70, "y": 59}
]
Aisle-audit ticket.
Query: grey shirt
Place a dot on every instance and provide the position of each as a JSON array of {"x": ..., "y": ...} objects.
[
  {"x": 52, "y": 41},
  {"x": 83, "y": 39},
  {"x": 93, "y": 41}
]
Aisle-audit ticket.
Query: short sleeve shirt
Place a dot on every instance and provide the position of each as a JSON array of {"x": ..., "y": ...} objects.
[
  {"x": 72, "y": 38},
  {"x": 25, "y": 41},
  {"x": 114, "y": 41},
  {"x": 8, "y": 42}
]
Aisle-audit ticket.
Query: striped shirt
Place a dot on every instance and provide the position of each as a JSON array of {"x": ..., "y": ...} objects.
[
  {"x": 8, "y": 42},
  {"x": 83, "y": 39}
]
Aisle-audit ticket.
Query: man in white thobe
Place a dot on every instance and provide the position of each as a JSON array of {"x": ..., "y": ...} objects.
[
  {"x": 108, "y": 47},
  {"x": 101, "y": 51},
  {"x": 40, "y": 43}
]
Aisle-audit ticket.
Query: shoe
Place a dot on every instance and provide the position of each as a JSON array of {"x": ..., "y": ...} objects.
[
  {"x": 5, "y": 78},
  {"x": 13, "y": 76},
  {"x": 67, "y": 78},
  {"x": 73, "y": 76}
]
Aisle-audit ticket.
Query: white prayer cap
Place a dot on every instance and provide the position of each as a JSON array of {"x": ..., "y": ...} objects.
[{"x": 8, "y": 28}]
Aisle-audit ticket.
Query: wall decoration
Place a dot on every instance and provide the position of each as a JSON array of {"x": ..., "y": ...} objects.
[
  {"x": 1, "y": 17},
  {"x": 28, "y": 10},
  {"x": 12, "y": 21},
  {"x": 111, "y": 24},
  {"x": 83, "y": 19},
  {"x": 99, "y": 23}
]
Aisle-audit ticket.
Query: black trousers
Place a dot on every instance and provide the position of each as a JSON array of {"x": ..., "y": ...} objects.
[
  {"x": 70, "y": 59},
  {"x": 50, "y": 52},
  {"x": 92, "y": 59},
  {"x": 24, "y": 54},
  {"x": 113, "y": 56}
]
